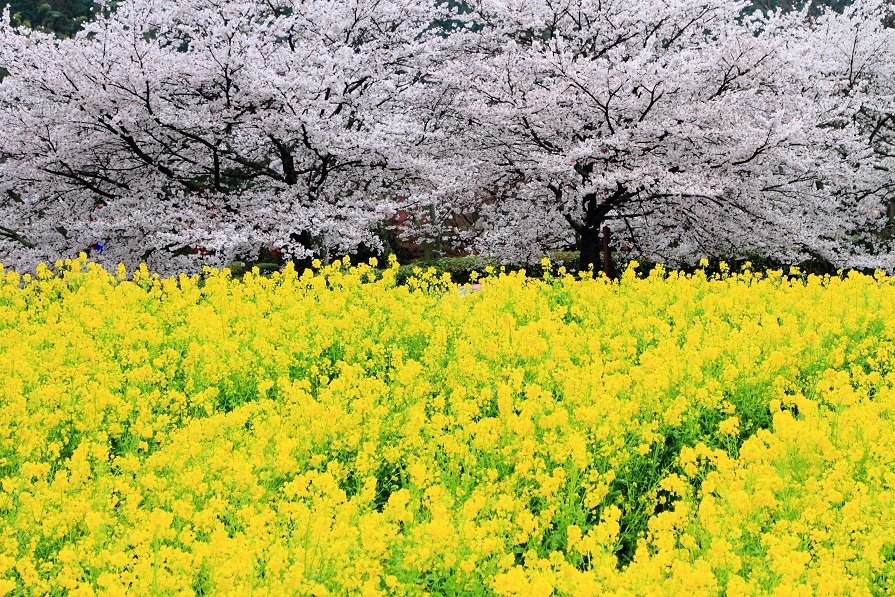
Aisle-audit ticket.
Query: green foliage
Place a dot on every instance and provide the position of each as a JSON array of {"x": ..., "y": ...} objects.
[
  {"x": 465, "y": 270},
  {"x": 814, "y": 6},
  {"x": 65, "y": 17},
  {"x": 62, "y": 17}
]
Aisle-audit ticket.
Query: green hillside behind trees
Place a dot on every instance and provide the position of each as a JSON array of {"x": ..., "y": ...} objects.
[
  {"x": 816, "y": 5},
  {"x": 64, "y": 17}
]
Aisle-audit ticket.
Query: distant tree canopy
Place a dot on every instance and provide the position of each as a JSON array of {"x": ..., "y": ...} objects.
[
  {"x": 62, "y": 17},
  {"x": 815, "y": 6}
]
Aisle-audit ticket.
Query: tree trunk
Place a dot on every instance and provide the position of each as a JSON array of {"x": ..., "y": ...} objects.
[
  {"x": 588, "y": 241},
  {"x": 588, "y": 237},
  {"x": 587, "y": 232}
]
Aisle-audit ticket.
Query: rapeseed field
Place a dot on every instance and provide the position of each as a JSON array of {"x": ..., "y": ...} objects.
[{"x": 333, "y": 433}]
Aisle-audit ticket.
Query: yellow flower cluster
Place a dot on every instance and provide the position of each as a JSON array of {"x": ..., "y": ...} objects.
[{"x": 333, "y": 433}]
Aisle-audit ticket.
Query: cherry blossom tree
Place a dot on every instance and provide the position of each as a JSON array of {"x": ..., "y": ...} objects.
[
  {"x": 192, "y": 132},
  {"x": 195, "y": 132},
  {"x": 689, "y": 127},
  {"x": 855, "y": 52}
]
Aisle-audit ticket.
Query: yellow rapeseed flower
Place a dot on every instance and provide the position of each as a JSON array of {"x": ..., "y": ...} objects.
[{"x": 333, "y": 432}]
